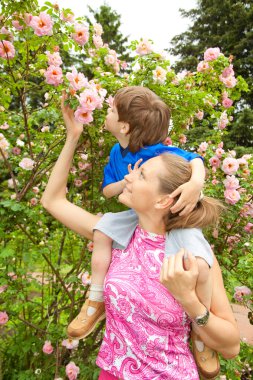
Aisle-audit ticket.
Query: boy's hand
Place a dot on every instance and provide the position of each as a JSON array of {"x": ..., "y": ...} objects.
[
  {"x": 190, "y": 193},
  {"x": 74, "y": 128}
]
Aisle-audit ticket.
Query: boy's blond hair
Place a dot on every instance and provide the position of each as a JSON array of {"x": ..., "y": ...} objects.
[{"x": 147, "y": 115}]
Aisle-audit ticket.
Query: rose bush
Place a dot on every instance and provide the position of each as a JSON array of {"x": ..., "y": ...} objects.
[{"x": 45, "y": 267}]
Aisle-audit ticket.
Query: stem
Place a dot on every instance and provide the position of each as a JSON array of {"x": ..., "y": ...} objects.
[{"x": 10, "y": 171}]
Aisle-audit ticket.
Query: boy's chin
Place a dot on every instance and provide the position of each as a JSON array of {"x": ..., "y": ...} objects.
[{"x": 123, "y": 199}]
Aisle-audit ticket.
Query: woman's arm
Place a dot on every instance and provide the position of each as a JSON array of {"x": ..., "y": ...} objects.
[
  {"x": 54, "y": 197},
  {"x": 221, "y": 332}
]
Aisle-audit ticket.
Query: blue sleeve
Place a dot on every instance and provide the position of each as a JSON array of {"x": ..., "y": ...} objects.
[
  {"x": 189, "y": 156},
  {"x": 109, "y": 172}
]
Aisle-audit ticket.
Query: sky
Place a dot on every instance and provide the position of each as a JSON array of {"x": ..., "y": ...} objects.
[{"x": 158, "y": 20}]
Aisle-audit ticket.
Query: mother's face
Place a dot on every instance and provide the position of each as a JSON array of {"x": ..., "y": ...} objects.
[{"x": 142, "y": 189}]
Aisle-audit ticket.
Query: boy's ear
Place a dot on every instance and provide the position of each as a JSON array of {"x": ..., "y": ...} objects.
[
  {"x": 164, "y": 202},
  {"x": 124, "y": 128}
]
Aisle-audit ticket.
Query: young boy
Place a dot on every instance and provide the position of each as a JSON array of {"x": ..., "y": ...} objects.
[{"x": 139, "y": 120}]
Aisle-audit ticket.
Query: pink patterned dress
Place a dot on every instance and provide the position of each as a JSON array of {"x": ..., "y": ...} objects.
[{"x": 147, "y": 331}]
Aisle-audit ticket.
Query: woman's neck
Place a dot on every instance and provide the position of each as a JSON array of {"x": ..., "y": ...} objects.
[{"x": 152, "y": 224}]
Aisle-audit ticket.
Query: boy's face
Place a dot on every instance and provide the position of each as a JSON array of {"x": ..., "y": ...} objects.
[{"x": 111, "y": 121}]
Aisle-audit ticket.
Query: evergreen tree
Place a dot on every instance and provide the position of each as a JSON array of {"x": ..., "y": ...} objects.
[
  {"x": 225, "y": 24},
  {"x": 111, "y": 21}
]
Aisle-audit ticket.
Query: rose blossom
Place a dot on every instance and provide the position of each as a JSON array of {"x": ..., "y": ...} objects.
[
  {"x": 223, "y": 120},
  {"x": 42, "y": 24},
  {"x": 83, "y": 116},
  {"x": 228, "y": 71},
  {"x": 78, "y": 182},
  {"x": 89, "y": 100},
  {"x": 111, "y": 58},
  {"x": 230, "y": 165},
  {"x": 67, "y": 17},
  {"x": 47, "y": 348},
  {"x": 3, "y": 317},
  {"x": 240, "y": 292},
  {"x": 17, "y": 25},
  {"x": 227, "y": 103},
  {"x": 211, "y": 54},
  {"x": 229, "y": 82},
  {"x": 98, "y": 42},
  {"x": 90, "y": 246},
  {"x": 8, "y": 35},
  {"x": 86, "y": 278},
  {"x": 27, "y": 163},
  {"x": 81, "y": 34},
  {"x": 231, "y": 182},
  {"x": 7, "y": 50},
  {"x": 33, "y": 201},
  {"x": 203, "y": 146},
  {"x": 232, "y": 196},
  {"x": 54, "y": 59},
  {"x": 249, "y": 227},
  {"x": 3, "y": 288},
  {"x": 16, "y": 151},
  {"x": 53, "y": 75},
  {"x": 4, "y": 126},
  {"x": 144, "y": 47},
  {"x": 72, "y": 371},
  {"x": 219, "y": 152},
  {"x": 159, "y": 75},
  {"x": 199, "y": 115},
  {"x": 70, "y": 343},
  {"x": 98, "y": 29},
  {"x": 77, "y": 80},
  {"x": 215, "y": 162},
  {"x": 202, "y": 66}
]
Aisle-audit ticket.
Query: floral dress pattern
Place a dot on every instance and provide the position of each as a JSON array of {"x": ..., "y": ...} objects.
[{"x": 147, "y": 331}]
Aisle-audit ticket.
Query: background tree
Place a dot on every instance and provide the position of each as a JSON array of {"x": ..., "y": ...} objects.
[
  {"x": 111, "y": 22},
  {"x": 228, "y": 25}
]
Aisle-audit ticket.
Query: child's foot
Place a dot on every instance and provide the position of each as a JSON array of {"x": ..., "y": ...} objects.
[
  {"x": 207, "y": 359},
  {"x": 84, "y": 323}
]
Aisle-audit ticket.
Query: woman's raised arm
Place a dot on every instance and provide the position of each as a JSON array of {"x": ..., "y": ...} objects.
[{"x": 54, "y": 197}]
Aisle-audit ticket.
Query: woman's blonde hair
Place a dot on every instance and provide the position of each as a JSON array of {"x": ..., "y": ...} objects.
[{"x": 207, "y": 210}]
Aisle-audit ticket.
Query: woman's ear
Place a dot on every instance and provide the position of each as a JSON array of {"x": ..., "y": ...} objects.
[
  {"x": 125, "y": 128},
  {"x": 164, "y": 202}
]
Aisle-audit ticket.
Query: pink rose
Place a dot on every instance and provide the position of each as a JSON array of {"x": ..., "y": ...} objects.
[
  {"x": 89, "y": 100},
  {"x": 240, "y": 292},
  {"x": 223, "y": 121},
  {"x": 27, "y": 163},
  {"x": 72, "y": 371},
  {"x": 47, "y": 348},
  {"x": 4, "y": 126},
  {"x": 77, "y": 80},
  {"x": 17, "y": 25},
  {"x": 16, "y": 151},
  {"x": 98, "y": 29},
  {"x": 42, "y": 24},
  {"x": 7, "y": 50},
  {"x": 231, "y": 182},
  {"x": 54, "y": 59},
  {"x": 78, "y": 182},
  {"x": 215, "y": 162},
  {"x": 110, "y": 101},
  {"x": 33, "y": 201},
  {"x": 144, "y": 47},
  {"x": 3, "y": 317},
  {"x": 86, "y": 278},
  {"x": 229, "y": 82},
  {"x": 232, "y": 196},
  {"x": 203, "y": 146},
  {"x": 227, "y": 103},
  {"x": 70, "y": 343},
  {"x": 249, "y": 227},
  {"x": 202, "y": 66},
  {"x": 98, "y": 42},
  {"x": 81, "y": 34},
  {"x": 211, "y": 54},
  {"x": 53, "y": 75},
  {"x": 90, "y": 246},
  {"x": 167, "y": 141},
  {"x": 228, "y": 71},
  {"x": 230, "y": 165},
  {"x": 67, "y": 17},
  {"x": 199, "y": 115},
  {"x": 83, "y": 116}
]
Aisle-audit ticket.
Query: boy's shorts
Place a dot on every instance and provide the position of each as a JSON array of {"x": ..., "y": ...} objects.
[{"x": 120, "y": 227}]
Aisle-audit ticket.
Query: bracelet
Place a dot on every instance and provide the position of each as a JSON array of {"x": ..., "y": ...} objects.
[{"x": 201, "y": 320}]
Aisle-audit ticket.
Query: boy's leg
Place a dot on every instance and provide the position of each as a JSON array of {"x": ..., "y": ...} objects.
[
  {"x": 93, "y": 309},
  {"x": 206, "y": 358}
]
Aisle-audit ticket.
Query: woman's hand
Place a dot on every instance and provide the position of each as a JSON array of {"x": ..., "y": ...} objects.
[
  {"x": 74, "y": 128},
  {"x": 179, "y": 275}
]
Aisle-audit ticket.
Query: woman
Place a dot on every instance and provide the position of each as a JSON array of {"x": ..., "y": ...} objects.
[{"x": 138, "y": 344}]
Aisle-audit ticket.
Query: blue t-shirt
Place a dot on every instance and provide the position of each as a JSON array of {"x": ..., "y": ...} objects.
[{"x": 120, "y": 158}]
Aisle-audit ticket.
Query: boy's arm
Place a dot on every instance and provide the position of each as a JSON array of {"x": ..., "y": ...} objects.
[
  {"x": 113, "y": 189},
  {"x": 190, "y": 191}
]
